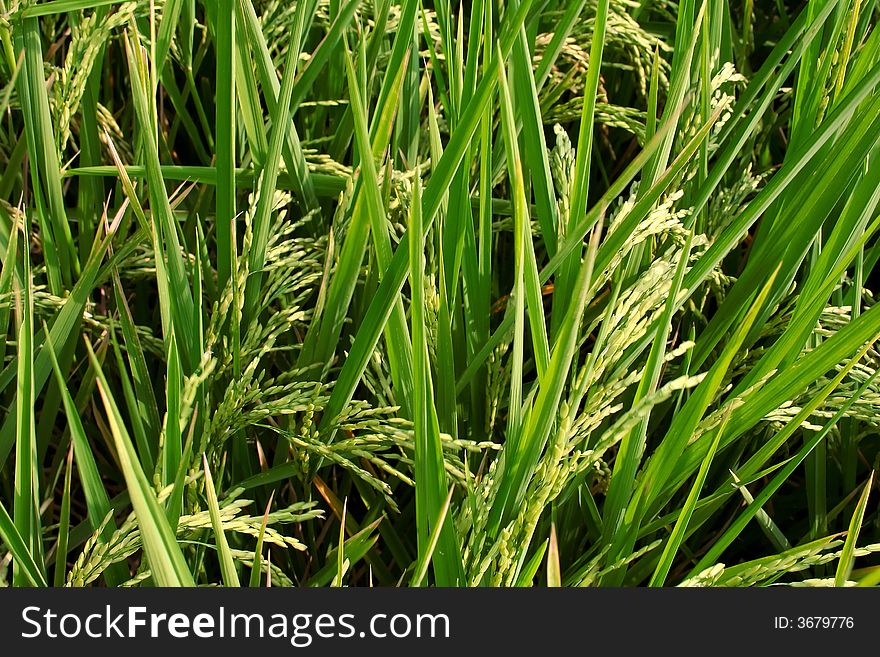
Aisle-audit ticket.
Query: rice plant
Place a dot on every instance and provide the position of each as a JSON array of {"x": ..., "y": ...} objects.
[{"x": 401, "y": 293}]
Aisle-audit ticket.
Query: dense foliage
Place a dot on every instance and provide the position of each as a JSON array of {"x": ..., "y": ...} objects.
[{"x": 387, "y": 292}]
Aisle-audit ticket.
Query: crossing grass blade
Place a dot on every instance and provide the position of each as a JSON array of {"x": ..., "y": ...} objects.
[
  {"x": 540, "y": 416},
  {"x": 663, "y": 463},
  {"x": 61, "y": 258},
  {"x": 254, "y": 581},
  {"x": 180, "y": 294},
  {"x": 370, "y": 203},
  {"x": 527, "y": 574},
  {"x": 227, "y": 564},
  {"x": 174, "y": 504},
  {"x": 146, "y": 448},
  {"x": 786, "y": 470},
  {"x": 661, "y": 572},
  {"x": 554, "y": 571},
  {"x": 16, "y": 545},
  {"x": 172, "y": 445},
  {"x": 382, "y": 302},
  {"x": 63, "y": 6},
  {"x": 94, "y": 491},
  {"x": 515, "y": 399},
  {"x": 268, "y": 78},
  {"x": 25, "y": 500},
  {"x": 529, "y": 292},
  {"x": 797, "y": 377},
  {"x": 430, "y": 473},
  {"x": 224, "y": 139},
  {"x": 7, "y": 274},
  {"x": 847, "y": 553},
  {"x": 268, "y": 182},
  {"x": 355, "y": 548},
  {"x": 147, "y": 408},
  {"x": 167, "y": 563},
  {"x": 424, "y": 563},
  {"x": 581, "y": 177},
  {"x": 60, "y": 571}
]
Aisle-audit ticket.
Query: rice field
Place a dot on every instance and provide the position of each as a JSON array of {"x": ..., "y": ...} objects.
[{"x": 397, "y": 293}]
